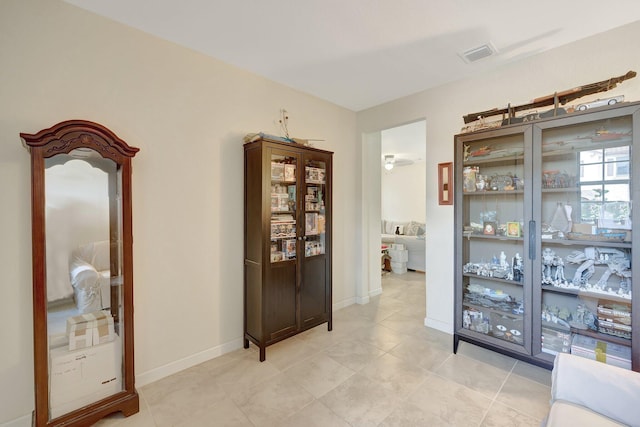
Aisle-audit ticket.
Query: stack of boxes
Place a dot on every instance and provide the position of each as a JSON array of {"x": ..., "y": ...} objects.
[
  {"x": 86, "y": 330},
  {"x": 90, "y": 368},
  {"x": 606, "y": 352},
  {"x": 614, "y": 319},
  {"x": 399, "y": 257}
]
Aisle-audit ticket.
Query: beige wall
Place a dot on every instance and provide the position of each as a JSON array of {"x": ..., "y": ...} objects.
[
  {"x": 187, "y": 113},
  {"x": 590, "y": 60}
]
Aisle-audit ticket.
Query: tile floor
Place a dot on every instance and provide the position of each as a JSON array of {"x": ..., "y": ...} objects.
[{"x": 378, "y": 367}]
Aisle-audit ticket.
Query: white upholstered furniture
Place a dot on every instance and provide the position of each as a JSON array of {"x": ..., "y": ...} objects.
[
  {"x": 412, "y": 237},
  {"x": 90, "y": 276},
  {"x": 589, "y": 393}
]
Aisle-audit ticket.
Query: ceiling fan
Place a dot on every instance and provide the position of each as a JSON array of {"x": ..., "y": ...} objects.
[{"x": 390, "y": 161}]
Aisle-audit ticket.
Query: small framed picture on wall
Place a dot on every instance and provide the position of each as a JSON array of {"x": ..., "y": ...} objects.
[{"x": 445, "y": 183}]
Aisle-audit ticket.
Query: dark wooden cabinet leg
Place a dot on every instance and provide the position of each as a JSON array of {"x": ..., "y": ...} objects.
[
  {"x": 263, "y": 354},
  {"x": 246, "y": 343}
]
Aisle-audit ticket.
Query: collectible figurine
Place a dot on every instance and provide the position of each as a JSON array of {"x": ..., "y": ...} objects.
[
  {"x": 552, "y": 268},
  {"x": 517, "y": 267}
]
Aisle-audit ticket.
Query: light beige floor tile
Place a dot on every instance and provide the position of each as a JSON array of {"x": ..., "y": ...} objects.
[
  {"x": 272, "y": 401},
  {"x": 402, "y": 323},
  {"x": 373, "y": 313},
  {"x": 182, "y": 403},
  {"x": 398, "y": 375},
  {"x": 353, "y": 354},
  {"x": 141, "y": 419},
  {"x": 319, "y": 338},
  {"x": 526, "y": 396},
  {"x": 533, "y": 373},
  {"x": 392, "y": 289},
  {"x": 377, "y": 367},
  {"x": 484, "y": 355},
  {"x": 439, "y": 402},
  {"x": 421, "y": 353},
  {"x": 478, "y": 376},
  {"x": 243, "y": 374},
  {"x": 287, "y": 352},
  {"x": 319, "y": 374},
  {"x": 379, "y": 336},
  {"x": 414, "y": 311},
  {"x": 502, "y": 416},
  {"x": 349, "y": 323},
  {"x": 316, "y": 414},
  {"x": 435, "y": 338},
  {"x": 391, "y": 304},
  {"x": 361, "y": 401},
  {"x": 224, "y": 413},
  {"x": 250, "y": 353},
  {"x": 157, "y": 390}
]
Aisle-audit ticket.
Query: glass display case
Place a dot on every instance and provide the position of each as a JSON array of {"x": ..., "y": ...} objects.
[
  {"x": 494, "y": 290},
  {"x": 585, "y": 242},
  {"x": 287, "y": 240},
  {"x": 544, "y": 237}
]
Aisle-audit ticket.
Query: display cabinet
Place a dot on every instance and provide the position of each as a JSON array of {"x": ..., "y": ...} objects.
[
  {"x": 544, "y": 238},
  {"x": 287, "y": 229}
]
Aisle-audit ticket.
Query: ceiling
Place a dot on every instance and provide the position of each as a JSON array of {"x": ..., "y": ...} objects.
[
  {"x": 361, "y": 53},
  {"x": 408, "y": 143}
]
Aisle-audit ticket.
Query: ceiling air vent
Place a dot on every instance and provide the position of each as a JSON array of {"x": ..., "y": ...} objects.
[{"x": 478, "y": 53}]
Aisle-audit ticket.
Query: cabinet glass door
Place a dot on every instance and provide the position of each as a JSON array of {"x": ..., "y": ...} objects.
[
  {"x": 584, "y": 183},
  {"x": 315, "y": 177},
  {"x": 494, "y": 257},
  {"x": 283, "y": 207}
]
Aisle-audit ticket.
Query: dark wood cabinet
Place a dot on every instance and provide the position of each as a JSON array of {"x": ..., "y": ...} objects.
[
  {"x": 546, "y": 255},
  {"x": 287, "y": 240}
]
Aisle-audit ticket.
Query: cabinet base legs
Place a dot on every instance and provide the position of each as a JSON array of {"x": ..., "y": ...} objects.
[{"x": 456, "y": 341}]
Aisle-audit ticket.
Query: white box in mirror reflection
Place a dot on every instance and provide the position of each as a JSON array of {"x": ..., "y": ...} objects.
[{"x": 80, "y": 377}]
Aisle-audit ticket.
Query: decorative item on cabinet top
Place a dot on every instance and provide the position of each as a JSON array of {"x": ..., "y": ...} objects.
[
  {"x": 251, "y": 137},
  {"x": 477, "y": 121}
]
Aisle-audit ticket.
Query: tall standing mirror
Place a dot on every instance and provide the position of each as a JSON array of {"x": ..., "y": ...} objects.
[{"x": 82, "y": 273}]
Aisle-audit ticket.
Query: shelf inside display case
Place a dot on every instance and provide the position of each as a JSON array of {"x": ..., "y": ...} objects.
[{"x": 587, "y": 294}]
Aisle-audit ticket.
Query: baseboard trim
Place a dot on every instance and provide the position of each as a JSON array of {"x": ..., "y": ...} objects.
[
  {"x": 439, "y": 325},
  {"x": 203, "y": 356},
  {"x": 24, "y": 421},
  {"x": 375, "y": 292},
  {"x": 187, "y": 362},
  {"x": 344, "y": 303}
]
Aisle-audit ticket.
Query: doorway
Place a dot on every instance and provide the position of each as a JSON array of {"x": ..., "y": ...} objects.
[{"x": 405, "y": 193}]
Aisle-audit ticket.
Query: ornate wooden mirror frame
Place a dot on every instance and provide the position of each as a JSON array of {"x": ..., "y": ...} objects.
[{"x": 62, "y": 139}]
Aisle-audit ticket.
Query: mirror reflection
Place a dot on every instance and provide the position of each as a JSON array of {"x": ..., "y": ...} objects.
[{"x": 83, "y": 287}]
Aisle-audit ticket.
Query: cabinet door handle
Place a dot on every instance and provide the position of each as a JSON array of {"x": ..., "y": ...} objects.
[{"x": 532, "y": 239}]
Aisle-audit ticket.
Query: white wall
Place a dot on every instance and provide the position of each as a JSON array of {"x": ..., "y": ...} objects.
[
  {"x": 590, "y": 60},
  {"x": 403, "y": 193},
  {"x": 187, "y": 113}
]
